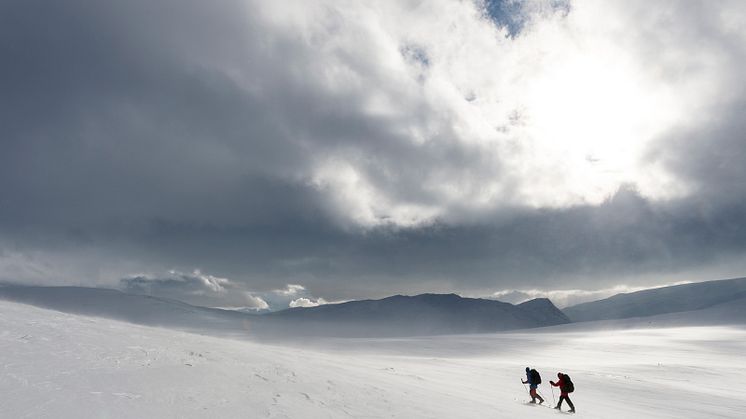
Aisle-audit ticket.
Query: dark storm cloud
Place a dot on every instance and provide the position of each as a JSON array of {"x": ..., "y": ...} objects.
[
  {"x": 149, "y": 136},
  {"x": 578, "y": 247},
  {"x": 129, "y": 112},
  {"x": 711, "y": 156}
]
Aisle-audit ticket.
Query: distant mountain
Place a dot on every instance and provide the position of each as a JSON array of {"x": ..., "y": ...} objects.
[
  {"x": 723, "y": 314},
  {"x": 657, "y": 301},
  {"x": 139, "y": 309},
  {"x": 425, "y": 314}
]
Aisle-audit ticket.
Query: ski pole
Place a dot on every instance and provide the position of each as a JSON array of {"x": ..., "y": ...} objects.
[
  {"x": 554, "y": 403},
  {"x": 524, "y": 386}
]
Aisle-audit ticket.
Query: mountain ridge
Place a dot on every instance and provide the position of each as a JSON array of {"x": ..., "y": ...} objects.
[
  {"x": 664, "y": 300},
  {"x": 422, "y": 314},
  {"x": 397, "y": 315}
]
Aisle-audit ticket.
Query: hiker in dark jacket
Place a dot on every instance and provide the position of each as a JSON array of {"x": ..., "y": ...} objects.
[
  {"x": 563, "y": 384},
  {"x": 533, "y": 382}
]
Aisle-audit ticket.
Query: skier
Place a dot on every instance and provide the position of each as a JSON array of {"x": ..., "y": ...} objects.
[
  {"x": 566, "y": 387},
  {"x": 533, "y": 379}
]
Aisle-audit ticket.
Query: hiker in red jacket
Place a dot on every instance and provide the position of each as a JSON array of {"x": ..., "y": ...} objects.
[{"x": 566, "y": 387}]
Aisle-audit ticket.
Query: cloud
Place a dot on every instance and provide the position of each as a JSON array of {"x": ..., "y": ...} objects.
[
  {"x": 196, "y": 288},
  {"x": 488, "y": 123},
  {"x": 294, "y": 295},
  {"x": 256, "y": 302},
  {"x": 207, "y": 290},
  {"x": 195, "y": 283},
  {"x": 561, "y": 115},
  {"x": 307, "y": 302},
  {"x": 372, "y": 148},
  {"x": 291, "y": 289}
]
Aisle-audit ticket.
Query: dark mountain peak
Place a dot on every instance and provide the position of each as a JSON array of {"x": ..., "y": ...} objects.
[
  {"x": 544, "y": 311},
  {"x": 537, "y": 302}
]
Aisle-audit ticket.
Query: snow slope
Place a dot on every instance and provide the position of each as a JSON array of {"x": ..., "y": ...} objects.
[
  {"x": 139, "y": 309},
  {"x": 731, "y": 312},
  {"x": 59, "y": 365},
  {"x": 673, "y": 299}
]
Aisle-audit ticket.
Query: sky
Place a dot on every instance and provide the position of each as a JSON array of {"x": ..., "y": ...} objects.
[{"x": 259, "y": 154}]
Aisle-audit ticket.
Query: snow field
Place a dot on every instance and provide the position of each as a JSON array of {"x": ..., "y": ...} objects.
[{"x": 57, "y": 365}]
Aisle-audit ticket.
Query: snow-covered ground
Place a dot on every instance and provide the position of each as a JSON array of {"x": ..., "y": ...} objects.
[{"x": 60, "y": 365}]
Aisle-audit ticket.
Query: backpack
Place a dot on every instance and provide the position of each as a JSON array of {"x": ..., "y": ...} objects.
[
  {"x": 569, "y": 386},
  {"x": 535, "y": 377}
]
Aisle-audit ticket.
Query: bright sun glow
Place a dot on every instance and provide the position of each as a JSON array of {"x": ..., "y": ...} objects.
[{"x": 593, "y": 116}]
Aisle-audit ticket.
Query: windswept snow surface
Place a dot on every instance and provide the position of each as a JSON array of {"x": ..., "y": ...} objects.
[{"x": 59, "y": 365}]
